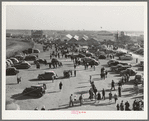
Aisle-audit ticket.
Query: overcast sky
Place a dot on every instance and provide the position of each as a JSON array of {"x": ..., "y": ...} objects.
[{"x": 75, "y": 17}]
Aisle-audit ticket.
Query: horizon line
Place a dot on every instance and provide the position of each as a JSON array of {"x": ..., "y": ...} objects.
[{"x": 76, "y": 30}]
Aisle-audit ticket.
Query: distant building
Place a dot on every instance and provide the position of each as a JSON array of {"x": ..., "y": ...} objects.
[
  {"x": 8, "y": 35},
  {"x": 92, "y": 41},
  {"x": 82, "y": 41},
  {"x": 73, "y": 41},
  {"x": 36, "y": 33}
]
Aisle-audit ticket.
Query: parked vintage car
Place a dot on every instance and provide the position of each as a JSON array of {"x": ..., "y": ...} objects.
[
  {"x": 30, "y": 58},
  {"x": 11, "y": 71},
  {"x": 90, "y": 60},
  {"x": 22, "y": 65},
  {"x": 67, "y": 73},
  {"x": 121, "y": 68},
  {"x": 14, "y": 60},
  {"x": 126, "y": 57},
  {"x": 120, "y": 53},
  {"x": 129, "y": 71},
  {"x": 42, "y": 61},
  {"x": 102, "y": 57},
  {"x": 19, "y": 57},
  {"x": 36, "y": 91},
  {"x": 10, "y": 62},
  {"x": 36, "y": 51},
  {"x": 139, "y": 79},
  {"x": 113, "y": 68},
  {"x": 48, "y": 75},
  {"x": 112, "y": 62}
]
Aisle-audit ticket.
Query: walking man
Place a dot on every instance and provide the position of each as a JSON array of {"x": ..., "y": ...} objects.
[
  {"x": 71, "y": 100},
  {"x": 18, "y": 79},
  {"x": 81, "y": 99},
  {"x": 122, "y": 106},
  {"x": 115, "y": 98},
  {"x": 112, "y": 85},
  {"x": 119, "y": 91},
  {"x": 127, "y": 106},
  {"x": 60, "y": 85},
  {"x": 128, "y": 77},
  {"x": 75, "y": 72},
  {"x": 103, "y": 94}
]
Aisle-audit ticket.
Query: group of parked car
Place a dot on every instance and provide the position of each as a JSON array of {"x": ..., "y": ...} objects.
[{"x": 121, "y": 67}]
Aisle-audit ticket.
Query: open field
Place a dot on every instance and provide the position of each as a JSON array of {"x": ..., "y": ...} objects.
[
  {"x": 59, "y": 100},
  {"x": 16, "y": 46}
]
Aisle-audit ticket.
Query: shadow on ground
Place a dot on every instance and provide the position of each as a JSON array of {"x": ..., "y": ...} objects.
[
  {"x": 77, "y": 104},
  {"x": 20, "y": 96},
  {"x": 12, "y": 84},
  {"x": 83, "y": 86}
]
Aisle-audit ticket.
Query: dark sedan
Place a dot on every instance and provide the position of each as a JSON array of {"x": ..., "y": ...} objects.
[{"x": 11, "y": 71}]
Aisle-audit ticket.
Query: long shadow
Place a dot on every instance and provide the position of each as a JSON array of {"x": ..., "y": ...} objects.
[
  {"x": 142, "y": 97},
  {"x": 81, "y": 92},
  {"x": 105, "y": 65},
  {"x": 77, "y": 104},
  {"x": 131, "y": 82},
  {"x": 47, "y": 68},
  {"x": 104, "y": 104},
  {"x": 112, "y": 72},
  {"x": 36, "y": 80},
  {"x": 129, "y": 95},
  {"x": 20, "y": 96},
  {"x": 127, "y": 89},
  {"x": 68, "y": 64},
  {"x": 53, "y": 92},
  {"x": 96, "y": 79},
  {"x": 117, "y": 75},
  {"x": 62, "y": 77},
  {"x": 32, "y": 70},
  {"x": 83, "y": 86},
  {"x": 12, "y": 84},
  {"x": 82, "y": 82}
]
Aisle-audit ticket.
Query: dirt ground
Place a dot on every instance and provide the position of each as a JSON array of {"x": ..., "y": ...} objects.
[{"x": 59, "y": 100}]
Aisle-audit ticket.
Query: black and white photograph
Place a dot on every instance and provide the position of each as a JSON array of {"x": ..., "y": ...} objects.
[{"x": 74, "y": 60}]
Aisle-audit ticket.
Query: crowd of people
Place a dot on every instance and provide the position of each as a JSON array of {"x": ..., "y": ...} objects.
[{"x": 96, "y": 95}]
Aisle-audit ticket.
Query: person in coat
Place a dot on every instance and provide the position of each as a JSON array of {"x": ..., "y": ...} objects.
[
  {"x": 81, "y": 99},
  {"x": 103, "y": 94},
  {"x": 115, "y": 97},
  {"x": 119, "y": 91},
  {"x": 60, "y": 86},
  {"x": 110, "y": 97},
  {"x": 122, "y": 106},
  {"x": 112, "y": 85}
]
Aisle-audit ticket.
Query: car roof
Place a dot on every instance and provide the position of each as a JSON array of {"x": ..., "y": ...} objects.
[
  {"x": 37, "y": 86},
  {"x": 50, "y": 72},
  {"x": 13, "y": 58},
  {"x": 11, "y": 68}
]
